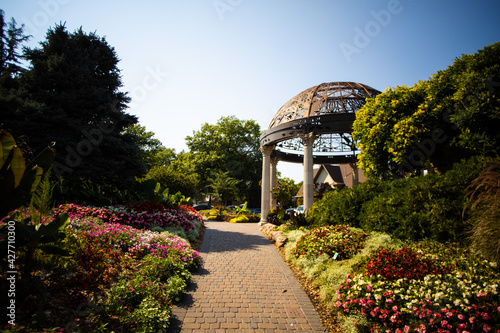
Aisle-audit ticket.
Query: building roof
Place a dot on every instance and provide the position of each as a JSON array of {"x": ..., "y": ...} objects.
[{"x": 332, "y": 170}]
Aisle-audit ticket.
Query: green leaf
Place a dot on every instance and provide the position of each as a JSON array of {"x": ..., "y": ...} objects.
[
  {"x": 7, "y": 143},
  {"x": 55, "y": 226}
]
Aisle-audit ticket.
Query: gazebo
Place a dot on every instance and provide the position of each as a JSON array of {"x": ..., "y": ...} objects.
[{"x": 313, "y": 127}]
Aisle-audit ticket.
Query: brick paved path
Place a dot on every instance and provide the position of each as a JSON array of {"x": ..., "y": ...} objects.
[{"x": 243, "y": 286}]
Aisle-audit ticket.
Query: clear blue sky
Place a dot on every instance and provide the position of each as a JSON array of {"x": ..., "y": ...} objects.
[{"x": 187, "y": 62}]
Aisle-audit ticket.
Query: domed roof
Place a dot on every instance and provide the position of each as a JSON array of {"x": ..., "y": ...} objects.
[{"x": 324, "y": 99}]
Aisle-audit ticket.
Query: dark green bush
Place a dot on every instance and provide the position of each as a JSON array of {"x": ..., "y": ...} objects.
[
  {"x": 343, "y": 206},
  {"x": 423, "y": 207},
  {"x": 408, "y": 208}
]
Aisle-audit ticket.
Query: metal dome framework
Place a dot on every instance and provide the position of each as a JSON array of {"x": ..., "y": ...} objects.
[
  {"x": 327, "y": 110},
  {"x": 317, "y": 122}
]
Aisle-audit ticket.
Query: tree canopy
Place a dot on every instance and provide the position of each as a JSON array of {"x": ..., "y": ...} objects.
[
  {"x": 285, "y": 190},
  {"x": 70, "y": 95},
  {"x": 452, "y": 115},
  {"x": 11, "y": 39},
  {"x": 152, "y": 151},
  {"x": 231, "y": 145},
  {"x": 222, "y": 186}
]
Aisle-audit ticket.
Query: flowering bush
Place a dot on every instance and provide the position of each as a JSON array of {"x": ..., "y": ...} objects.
[
  {"x": 140, "y": 215},
  {"x": 450, "y": 297},
  {"x": 138, "y": 242},
  {"x": 124, "y": 276},
  {"x": 339, "y": 242},
  {"x": 92, "y": 263},
  {"x": 25, "y": 213},
  {"x": 403, "y": 263},
  {"x": 140, "y": 303}
]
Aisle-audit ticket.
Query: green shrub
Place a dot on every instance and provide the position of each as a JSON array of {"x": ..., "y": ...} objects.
[
  {"x": 239, "y": 219},
  {"x": 337, "y": 242},
  {"x": 422, "y": 207},
  {"x": 151, "y": 316},
  {"x": 214, "y": 214},
  {"x": 177, "y": 231},
  {"x": 162, "y": 269},
  {"x": 343, "y": 206},
  {"x": 140, "y": 301}
]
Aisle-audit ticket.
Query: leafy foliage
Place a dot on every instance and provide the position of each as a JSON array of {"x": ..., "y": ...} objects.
[
  {"x": 174, "y": 178},
  {"x": 223, "y": 187},
  {"x": 285, "y": 190},
  {"x": 152, "y": 152},
  {"x": 239, "y": 219},
  {"x": 408, "y": 208},
  {"x": 337, "y": 242},
  {"x": 19, "y": 180},
  {"x": 231, "y": 146},
  {"x": 343, "y": 206},
  {"x": 423, "y": 207},
  {"x": 70, "y": 95},
  {"x": 436, "y": 122}
]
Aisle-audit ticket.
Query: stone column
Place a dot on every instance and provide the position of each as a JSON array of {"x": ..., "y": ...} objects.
[
  {"x": 274, "y": 181},
  {"x": 266, "y": 182},
  {"x": 308, "y": 141},
  {"x": 355, "y": 174}
]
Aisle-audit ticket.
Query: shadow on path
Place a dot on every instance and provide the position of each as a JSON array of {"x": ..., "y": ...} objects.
[
  {"x": 228, "y": 241},
  {"x": 186, "y": 303}
]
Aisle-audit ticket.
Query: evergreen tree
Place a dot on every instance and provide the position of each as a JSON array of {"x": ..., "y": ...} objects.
[
  {"x": 11, "y": 38},
  {"x": 71, "y": 96}
]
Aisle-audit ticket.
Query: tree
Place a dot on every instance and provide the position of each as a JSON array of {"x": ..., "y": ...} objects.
[
  {"x": 178, "y": 176},
  {"x": 453, "y": 115},
  {"x": 11, "y": 38},
  {"x": 232, "y": 146},
  {"x": 153, "y": 153},
  {"x": 285, "y": 190},
  {"x": 71, "y": 96},
  {"x": 223, "y": 187}
]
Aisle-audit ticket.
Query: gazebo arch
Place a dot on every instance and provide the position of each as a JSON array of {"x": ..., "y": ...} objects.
[{"x": 318, "y": 123}]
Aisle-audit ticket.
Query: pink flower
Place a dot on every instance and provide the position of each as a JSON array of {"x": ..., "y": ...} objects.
[{"x": 369, "y": 288}]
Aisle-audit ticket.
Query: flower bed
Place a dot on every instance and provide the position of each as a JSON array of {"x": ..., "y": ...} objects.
[
  {"x": 419, "y": 287},
  {"x": 114, "y": 276},
  {"x": 448, "y": 290},
  {"x": 140, "y": 215},
  {"x": 139, "y": 242}
]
